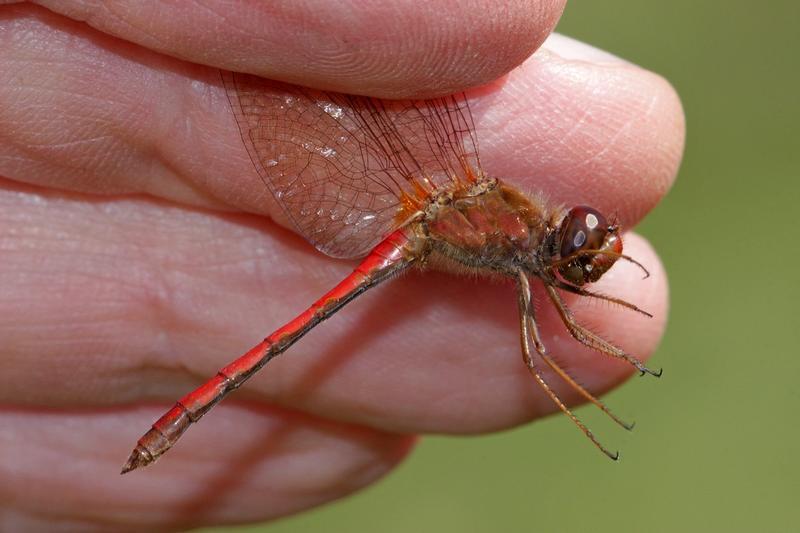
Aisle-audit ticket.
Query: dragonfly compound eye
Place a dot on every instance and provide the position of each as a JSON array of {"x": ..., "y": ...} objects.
[
  {"x": 584, "y": 228},
  {"x": 593, "y": 245}
]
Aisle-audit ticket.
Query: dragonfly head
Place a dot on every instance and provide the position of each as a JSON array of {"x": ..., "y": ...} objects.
[{"x": 586, "y": 246}]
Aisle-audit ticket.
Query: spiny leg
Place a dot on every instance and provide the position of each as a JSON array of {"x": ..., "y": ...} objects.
[
  {"x": 589, "y": 294},
  {"x": 542, "y": 350},
  {"x": 583, "y": 392},
  {"x": 592, "y": 340},
  {"x": 526, "y": 336}
]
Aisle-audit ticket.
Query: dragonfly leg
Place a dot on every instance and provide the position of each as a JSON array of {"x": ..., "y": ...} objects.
[
  {"x": 592, "y": 340},
  {"x": 563, "y": 374},
  {"x": 589, "y": 294},
  {"x": 529, "y": 335}
]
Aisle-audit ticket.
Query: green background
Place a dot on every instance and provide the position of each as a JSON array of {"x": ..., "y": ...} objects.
[{"x": 716, "y": 445}]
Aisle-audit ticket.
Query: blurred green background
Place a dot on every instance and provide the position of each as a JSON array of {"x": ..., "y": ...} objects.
[{"x": 716, "y": 445}]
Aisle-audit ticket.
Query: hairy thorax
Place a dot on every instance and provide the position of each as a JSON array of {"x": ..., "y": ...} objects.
[{"x": 489, "y": 227}]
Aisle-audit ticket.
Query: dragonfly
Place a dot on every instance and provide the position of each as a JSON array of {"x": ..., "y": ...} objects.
[{"x": 400, "y": 184}]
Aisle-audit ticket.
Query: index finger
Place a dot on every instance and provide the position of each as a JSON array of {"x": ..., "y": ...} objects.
[{"x": 380, "y": 48}]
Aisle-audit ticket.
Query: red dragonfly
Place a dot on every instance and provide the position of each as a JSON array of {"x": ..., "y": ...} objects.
[{"x": 401, "y": 183}]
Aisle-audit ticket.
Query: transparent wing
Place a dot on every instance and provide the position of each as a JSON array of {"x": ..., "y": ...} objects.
[{"x": 344, "y": 168}]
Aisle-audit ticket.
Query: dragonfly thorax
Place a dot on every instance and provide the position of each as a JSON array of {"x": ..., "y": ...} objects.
[{"x": 490, "y": 226}]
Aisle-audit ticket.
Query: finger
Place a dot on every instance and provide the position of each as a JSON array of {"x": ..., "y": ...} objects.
[
  {"x": 380, "y": 48},
  {"x": 130, "y": 300},
  {"x": 250, "y": 464},
  {"x": 148, "y": 308},
  {"x": 585, "y": 127},
  {"x": 570, "y": 122}
]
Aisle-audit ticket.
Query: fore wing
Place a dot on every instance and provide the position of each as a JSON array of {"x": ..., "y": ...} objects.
[{"x": 340, "y": 166}]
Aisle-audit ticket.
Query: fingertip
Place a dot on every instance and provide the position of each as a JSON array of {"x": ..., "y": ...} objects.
[
  {"x": 401, "y": 50},
  {"x": 378, "y": 48},
  {"x": 585, "y": 127},
  {"x": 645, "y": 117}
]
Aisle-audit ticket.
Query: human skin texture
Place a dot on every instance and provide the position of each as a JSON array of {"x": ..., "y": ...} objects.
[{"x": 139, "y": 250}]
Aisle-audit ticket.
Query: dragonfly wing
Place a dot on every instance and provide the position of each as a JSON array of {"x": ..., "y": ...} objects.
[{"x": 340, "y": 165}]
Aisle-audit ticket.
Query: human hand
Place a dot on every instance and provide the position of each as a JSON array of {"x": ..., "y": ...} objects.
[{"x": 137, "y": 257}]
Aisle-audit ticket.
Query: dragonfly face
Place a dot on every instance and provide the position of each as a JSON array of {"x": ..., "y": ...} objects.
[{"x": 587, "y": 245}]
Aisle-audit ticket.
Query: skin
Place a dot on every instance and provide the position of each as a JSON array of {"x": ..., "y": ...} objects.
[{"x": 140, "y": 252}]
